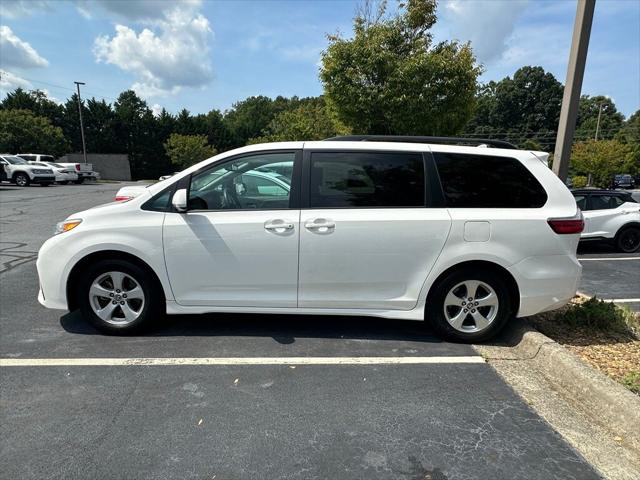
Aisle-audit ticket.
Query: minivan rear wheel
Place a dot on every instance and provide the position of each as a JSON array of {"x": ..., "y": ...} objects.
[
  {"x": 469, "y": 305},
  {"x": 118, "y": 297},
  {"x": 628, "y": 240}
]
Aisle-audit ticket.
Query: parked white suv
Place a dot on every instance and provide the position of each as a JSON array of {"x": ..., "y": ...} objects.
[
  {"x": 394, "y": 227},
  {"x": 612, "y": 216},
  {"x": 21, "y": 173}
]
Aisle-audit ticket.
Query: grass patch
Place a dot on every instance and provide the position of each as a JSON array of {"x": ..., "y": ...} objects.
[
  {"x": 632, "y": 382},
  {"x": 596, "y": 314}
]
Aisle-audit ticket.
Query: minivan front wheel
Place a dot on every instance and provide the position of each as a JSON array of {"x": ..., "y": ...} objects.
[
  {"x": 469, "y": 305},
  {"x": 118, "y": 297}
]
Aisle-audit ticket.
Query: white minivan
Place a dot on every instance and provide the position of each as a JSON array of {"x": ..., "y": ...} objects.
[{"x": 463, "y": 237}]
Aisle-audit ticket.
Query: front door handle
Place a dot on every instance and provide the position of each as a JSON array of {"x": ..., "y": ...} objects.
[
  {"x": 278, "y": 226},
  {"x": 321, "y": 225}
]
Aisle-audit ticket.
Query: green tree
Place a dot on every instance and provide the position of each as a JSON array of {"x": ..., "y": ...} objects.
[
  {"x": 526, "y": 106},
  {"x": 185, "y": 150},
  {"x": 23, "y": 131},
  {"x": 610, "y": 119},
  {"x": 36, "y": 101},
  {"x": 603, "y": 159},
  {"x": 389, "y": 78},
  {"x": 248, "y": 118},
  {"x": 312, "y": 120},
  {"x": 630, "y": 131}
]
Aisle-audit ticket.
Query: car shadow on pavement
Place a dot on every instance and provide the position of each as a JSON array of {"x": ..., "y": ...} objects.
[{"x": 283, "y": 329}]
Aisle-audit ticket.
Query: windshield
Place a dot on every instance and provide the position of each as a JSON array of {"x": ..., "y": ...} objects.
[{"x": 15, "y": 160}]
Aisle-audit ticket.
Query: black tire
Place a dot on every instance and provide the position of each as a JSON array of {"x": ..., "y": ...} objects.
[
  {"x": 435, "y": 309},
  {"x": 152, "y": 308},
  {"x": 21, "y": 179},
  {"x": 628, "y": 239},
  {"x": 79, "y": 181}
]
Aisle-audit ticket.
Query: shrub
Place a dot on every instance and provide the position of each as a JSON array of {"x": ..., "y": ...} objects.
[
  {"x": 597, "y": 314},
  {"x": 579, "y": 181}
]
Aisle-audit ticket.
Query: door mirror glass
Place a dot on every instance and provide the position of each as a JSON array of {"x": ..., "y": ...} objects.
[{"x": 179, "y": 200}]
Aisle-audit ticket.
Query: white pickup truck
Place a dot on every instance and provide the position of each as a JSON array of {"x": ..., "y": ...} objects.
[{"x": 84, "y": 170}]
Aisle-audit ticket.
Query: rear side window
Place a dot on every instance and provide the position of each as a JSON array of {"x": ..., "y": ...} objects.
[
  {"x": 483, "y": 181},
  {"x": 366, "y": 179},
  {"x": 604, "y": 202}
]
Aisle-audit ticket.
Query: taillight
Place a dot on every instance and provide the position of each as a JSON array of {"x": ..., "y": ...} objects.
[
  {"x": 78, "y": 167},
  {"x": 122, "y": 198},
  {"x": 567, "y": 225}
]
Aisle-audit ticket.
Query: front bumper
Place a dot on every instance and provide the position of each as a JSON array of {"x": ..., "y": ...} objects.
[
  {"x": 43, "y": 179},
  {"x": 52, "y": 264},
  {"x": 546, "y": 282}
]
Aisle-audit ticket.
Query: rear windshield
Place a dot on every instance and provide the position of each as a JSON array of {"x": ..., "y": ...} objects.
[{"x": 483, "y": 181}]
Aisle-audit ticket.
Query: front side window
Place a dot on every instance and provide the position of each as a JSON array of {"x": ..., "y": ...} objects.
[
  {"x": 246, "y": 183},
  {"x": 483, "y": 181},
  {"x": 366, "y": 179}
]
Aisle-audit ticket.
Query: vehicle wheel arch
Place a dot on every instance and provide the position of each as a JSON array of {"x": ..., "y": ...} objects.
[
  {"x": 628, "y": 225},
  {"x": 18, "y": 172},
  {"x": 512, "y": 285},
  {"x": 84, "y": 262}
]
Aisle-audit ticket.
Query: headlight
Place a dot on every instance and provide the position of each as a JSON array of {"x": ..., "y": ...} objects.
[{"x": 67, "y": 225}]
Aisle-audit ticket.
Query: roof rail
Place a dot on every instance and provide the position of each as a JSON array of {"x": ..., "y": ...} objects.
[{"x": 422, "y": 139}]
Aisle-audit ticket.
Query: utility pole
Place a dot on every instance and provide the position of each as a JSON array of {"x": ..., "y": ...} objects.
[
  {"x": 84, "y": 146},
  {"x": 598, "y": 122},
  {"x": 572, "y": 87}
]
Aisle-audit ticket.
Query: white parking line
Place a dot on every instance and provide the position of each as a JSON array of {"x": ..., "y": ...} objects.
[
  {"x": 90, "y": 362},
  {"x": 621, "y": 300},
  {"x": 602, "y": 259}
]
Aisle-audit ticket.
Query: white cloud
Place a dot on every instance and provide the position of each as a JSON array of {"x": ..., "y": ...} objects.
[
  {"x": 16, "y": 53},
  {"x": 487, "y": 24},
  {"x": 21, "y": 8},
  {"x": 156, "y": 109},
  {"x": 172, "y": 53},
  {"x": 136, "y": 10}
]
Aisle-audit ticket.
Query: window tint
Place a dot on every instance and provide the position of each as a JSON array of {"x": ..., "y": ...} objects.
[
  {"x": 581, "y": 201},
  {"x": 605, "y": 202},
  {"x": 245, "y": 183},
  {"x": 482, "y": 181},
  {"x": 366, "y": 179},
  {"x": 160, "y": 202}
]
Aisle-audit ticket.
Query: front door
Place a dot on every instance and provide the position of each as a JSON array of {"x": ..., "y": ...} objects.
[
  {"x": 237, "y": 245},
  {"x": 366, "y": 239}
]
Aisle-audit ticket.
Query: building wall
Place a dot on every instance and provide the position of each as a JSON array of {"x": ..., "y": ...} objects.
[{"x": 112, "y": 166}]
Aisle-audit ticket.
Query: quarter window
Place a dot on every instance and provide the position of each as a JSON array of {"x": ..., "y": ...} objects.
[
  {"x": 366, "y": 179},
  {"x": 483, "y": 181},
  {"x": 246, "y": 183}
]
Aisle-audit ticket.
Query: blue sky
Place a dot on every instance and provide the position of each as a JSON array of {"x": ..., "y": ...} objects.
[{"x": 204, "y": 54}]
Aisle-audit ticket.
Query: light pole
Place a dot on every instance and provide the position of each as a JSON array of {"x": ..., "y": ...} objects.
[
  {"x": 572, "y": 87},
  {"x": 84, "y": 146}
]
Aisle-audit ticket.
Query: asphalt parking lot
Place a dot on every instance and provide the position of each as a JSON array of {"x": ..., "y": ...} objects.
[{"x": 263, "y": 396}]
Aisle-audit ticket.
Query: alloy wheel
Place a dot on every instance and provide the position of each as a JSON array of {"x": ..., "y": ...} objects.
[
  {"x": 471, "y": 306},
  {"x": 116, "y": 298}
]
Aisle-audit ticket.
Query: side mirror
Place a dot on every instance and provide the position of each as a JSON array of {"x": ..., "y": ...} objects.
[{"x": 179, "y": 200}]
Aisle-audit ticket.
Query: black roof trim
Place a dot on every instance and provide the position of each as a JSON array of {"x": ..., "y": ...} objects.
[{"x": 423, "y": 139}]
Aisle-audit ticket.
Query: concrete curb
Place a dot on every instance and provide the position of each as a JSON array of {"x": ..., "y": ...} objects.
[{"x": 604, "y": 401}]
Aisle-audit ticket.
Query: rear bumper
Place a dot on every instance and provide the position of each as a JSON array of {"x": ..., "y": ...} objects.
[{"x": 546, "y": 282}]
